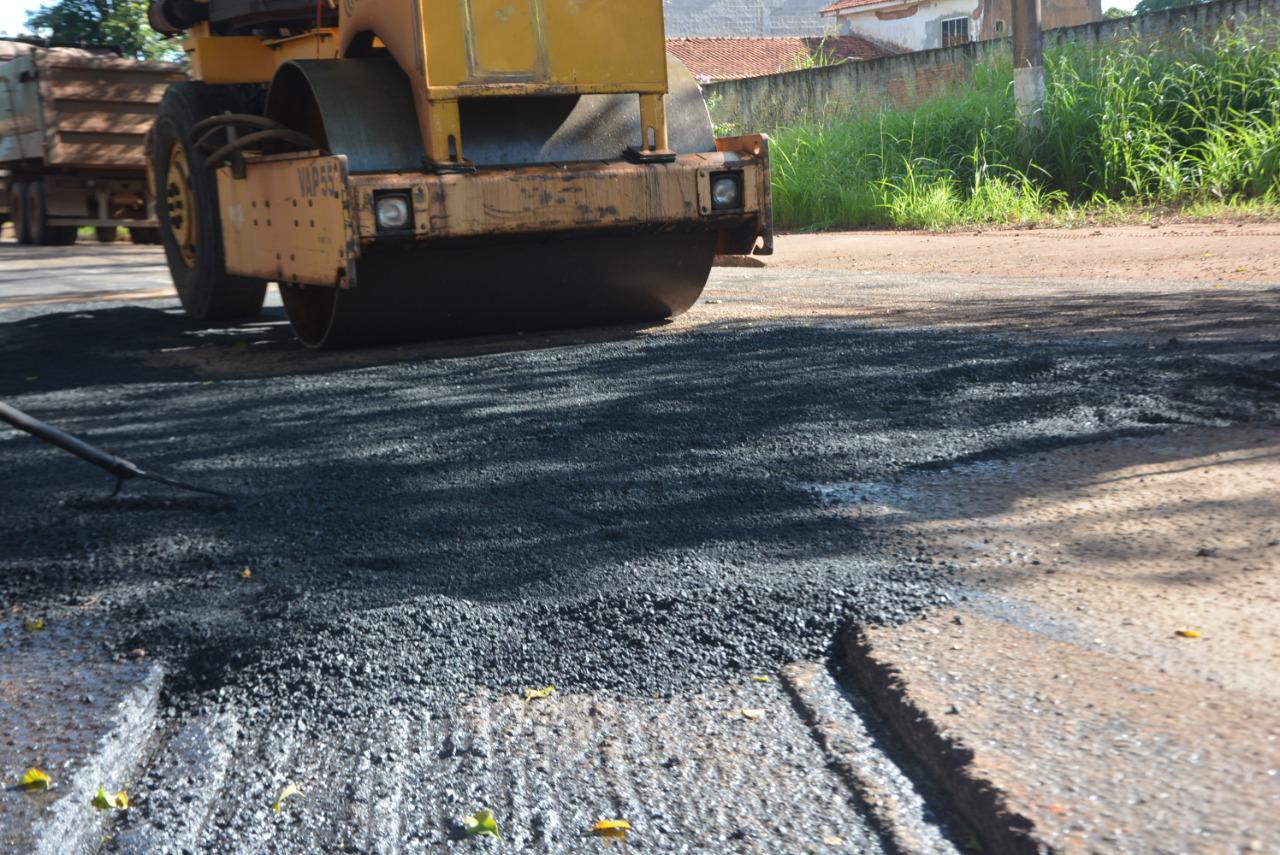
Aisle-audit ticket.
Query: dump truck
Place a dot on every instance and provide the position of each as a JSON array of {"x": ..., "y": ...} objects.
[
  {"x": 73, "y": 122},
  {"x": 404, "y": 169}
]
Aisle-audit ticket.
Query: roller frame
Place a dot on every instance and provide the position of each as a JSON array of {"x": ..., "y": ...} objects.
[{"x": 304, "y": 219}]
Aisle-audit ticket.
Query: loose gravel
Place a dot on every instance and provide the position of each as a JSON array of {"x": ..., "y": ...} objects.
[{"x": 636, "y": 516}]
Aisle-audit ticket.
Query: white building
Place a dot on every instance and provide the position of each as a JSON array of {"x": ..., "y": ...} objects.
[{"x": 911, "y": 25}]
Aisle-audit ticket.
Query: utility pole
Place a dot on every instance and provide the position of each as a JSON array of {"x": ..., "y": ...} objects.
[{"x": 1028, "y": 63}]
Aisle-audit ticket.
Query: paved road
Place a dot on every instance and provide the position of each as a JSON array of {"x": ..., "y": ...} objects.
[{"x": 636, "y": 516}]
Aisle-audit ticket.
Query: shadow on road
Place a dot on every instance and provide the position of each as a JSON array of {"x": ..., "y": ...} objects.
[
  {"x": 1219, "y": 314},
  {"x": 627, "y": 513},
  {"x": 139, "y": 344}
]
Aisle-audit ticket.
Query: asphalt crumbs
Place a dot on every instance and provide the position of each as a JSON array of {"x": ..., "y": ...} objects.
[{"x": 638, "y": 518}]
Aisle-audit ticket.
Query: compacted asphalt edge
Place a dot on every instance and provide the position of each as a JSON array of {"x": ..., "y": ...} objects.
[{"x": 979, "y": 801}]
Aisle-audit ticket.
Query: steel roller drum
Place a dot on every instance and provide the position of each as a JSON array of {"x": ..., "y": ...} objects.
[{"x": 363, "y": 108}]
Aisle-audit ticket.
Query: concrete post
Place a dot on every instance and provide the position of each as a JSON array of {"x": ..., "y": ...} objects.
[{"x": 1028, "y": 63}]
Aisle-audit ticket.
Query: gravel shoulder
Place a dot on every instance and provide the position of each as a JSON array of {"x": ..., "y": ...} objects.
[{"x": 1112, "y": 665}]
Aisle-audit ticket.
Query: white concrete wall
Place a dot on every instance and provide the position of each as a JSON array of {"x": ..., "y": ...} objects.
[
  {"x": 921, "y": 31},
  {"x": 747, "y": 18}
]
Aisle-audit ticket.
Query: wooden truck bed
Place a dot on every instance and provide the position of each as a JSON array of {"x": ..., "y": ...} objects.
[{"x": 75, "y": 109}]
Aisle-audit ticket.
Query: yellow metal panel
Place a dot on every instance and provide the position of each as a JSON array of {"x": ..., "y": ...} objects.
[
  {"x": 452, "y": 49},
  {"x": 469, "y": 48},
  {"x": 288, "y": 219},
  {"x": 229, "y": 59},
  {"x": 505, "y": 40},
  {"x": 607, "y": 41},
  {"x": 249, "y": 59}
]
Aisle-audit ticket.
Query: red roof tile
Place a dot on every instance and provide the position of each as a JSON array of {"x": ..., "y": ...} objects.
[{"x": 712, "y": 59}]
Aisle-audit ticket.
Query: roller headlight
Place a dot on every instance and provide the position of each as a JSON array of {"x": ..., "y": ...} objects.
[
  {"x": 726, "y": 191},
  {"x": 393, "y": 212}
]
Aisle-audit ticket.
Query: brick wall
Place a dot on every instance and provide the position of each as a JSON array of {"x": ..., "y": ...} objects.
[{"x": 761, "y": 103}]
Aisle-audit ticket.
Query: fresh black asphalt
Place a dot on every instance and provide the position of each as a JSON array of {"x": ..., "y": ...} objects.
[{"x": 635, "y": 515}]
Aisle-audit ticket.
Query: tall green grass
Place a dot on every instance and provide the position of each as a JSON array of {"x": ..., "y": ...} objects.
[{"x": 1179, "y": 123}]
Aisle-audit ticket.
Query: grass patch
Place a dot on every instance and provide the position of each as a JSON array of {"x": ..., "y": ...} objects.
[{"x": 1186, "y": 125}]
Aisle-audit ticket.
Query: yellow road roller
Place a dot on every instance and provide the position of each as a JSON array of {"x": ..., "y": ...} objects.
[{"x": 407, "y": 169}]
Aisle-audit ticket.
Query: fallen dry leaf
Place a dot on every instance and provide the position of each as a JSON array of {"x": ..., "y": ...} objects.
[
  {"x": 34, "y": 625},
  {"x": 103, "y": 801},
  {"x": 481, "y": 824},
  {"x": 535, "y": 694},
  {"x": 290, "y": 789},
  {"x": 612, "y": 829},
  {"x": 753, "y": 714},
  {"x": 35, "y": 780},
  {"x": 1187, "y": 633}
]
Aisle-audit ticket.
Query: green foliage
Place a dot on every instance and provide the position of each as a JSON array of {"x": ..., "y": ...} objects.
[
  {"x": 820, "y": 56},
  {"x": 119, "y": 23},
  {"x": 1113, "y": 13},
  {"x": 1128, "y": 124}
]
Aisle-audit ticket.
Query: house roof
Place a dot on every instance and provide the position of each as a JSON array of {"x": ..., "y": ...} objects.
[
  {"x": 711, "y": 59},
  {"x": 846, "y": 5}
]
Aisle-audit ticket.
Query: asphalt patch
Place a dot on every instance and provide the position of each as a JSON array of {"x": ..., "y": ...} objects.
[{"x": 634, "y": 516}]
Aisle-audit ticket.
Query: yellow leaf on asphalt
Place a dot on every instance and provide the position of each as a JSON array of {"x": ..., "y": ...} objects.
[
  {"x": 760, "y": 678},
  {"x": 481, "y": 824},
  {"x": 1187, "y": 633},
  {"x": 102, "y": 801},
  {"x": 833, "y": 840},
  {"x": 534, "y": 694},
  {"x": 35, "y": 780},
  {"x": 246, "y": 573},
  {"x": 611, "y": 829},
  {"x": 753, "y": 714},
  {"x": 34, "y": 625},
  {"x": 290, "y": 789}
]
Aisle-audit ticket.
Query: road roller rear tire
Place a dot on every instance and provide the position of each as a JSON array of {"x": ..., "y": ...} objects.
[
  {"x": 106, "y": 234},
  {"x": 188, "y": 210}
]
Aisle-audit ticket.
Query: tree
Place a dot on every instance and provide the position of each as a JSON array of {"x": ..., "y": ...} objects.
[
  {"x": 1145, "y": 6},
  {"x": 1113, "y": 13},
  {"x": 118, "y": 23}
]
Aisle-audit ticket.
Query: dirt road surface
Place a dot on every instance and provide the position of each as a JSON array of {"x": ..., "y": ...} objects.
[{"x": 651, "y": 519}]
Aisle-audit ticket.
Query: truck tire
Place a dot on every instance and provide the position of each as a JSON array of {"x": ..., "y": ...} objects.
[
  {"x": 18, "y": 211},
  {"x": 187, "y": 206},
  {"x": 37, "y": 217},
  {"x": 106, "y": 234}
]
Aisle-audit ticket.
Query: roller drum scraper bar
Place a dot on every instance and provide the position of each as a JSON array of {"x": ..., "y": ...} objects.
[{"x": 122, "y": 469}]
